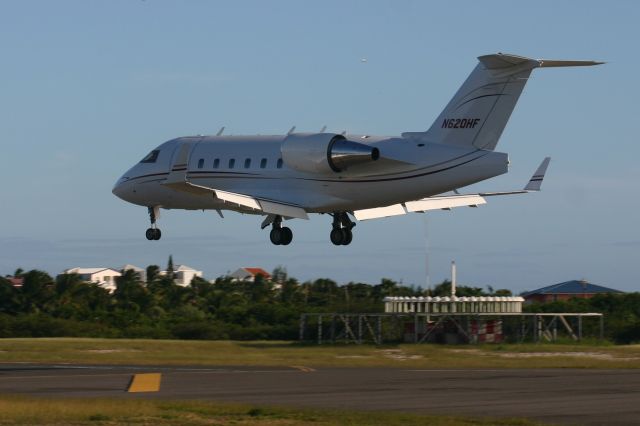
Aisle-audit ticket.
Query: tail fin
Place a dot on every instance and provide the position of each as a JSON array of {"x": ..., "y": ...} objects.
[{"x": 479, "y": 111}]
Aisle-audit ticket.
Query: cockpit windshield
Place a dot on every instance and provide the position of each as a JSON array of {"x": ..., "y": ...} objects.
[{"x": 152, "y": 157}]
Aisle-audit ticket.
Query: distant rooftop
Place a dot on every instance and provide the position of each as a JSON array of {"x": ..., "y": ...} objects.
[
  {"x": 572, "y": 287},
  {"x": 258, "y": 271},
  {"x": 82, "y": 271}
]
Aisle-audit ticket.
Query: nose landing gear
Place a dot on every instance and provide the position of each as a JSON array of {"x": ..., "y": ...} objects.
[
  {"x": 341, "y": 234},
  {"x": 153, "y": 233}
]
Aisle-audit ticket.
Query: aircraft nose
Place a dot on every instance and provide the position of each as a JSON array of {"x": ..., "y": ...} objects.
[{"x": 119, "y": 188}]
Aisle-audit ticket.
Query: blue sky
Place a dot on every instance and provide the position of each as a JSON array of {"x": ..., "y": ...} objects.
[{"x": 89, "y": 87}]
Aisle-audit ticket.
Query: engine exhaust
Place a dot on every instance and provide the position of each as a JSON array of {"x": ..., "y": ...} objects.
[{"x": 343, "y": 153}]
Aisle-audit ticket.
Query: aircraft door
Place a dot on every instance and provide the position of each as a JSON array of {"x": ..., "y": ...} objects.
[{"x": 180, "y": 161}]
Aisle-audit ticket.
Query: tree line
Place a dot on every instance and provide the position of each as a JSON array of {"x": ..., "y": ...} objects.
[{"x": 227, "y": 309}]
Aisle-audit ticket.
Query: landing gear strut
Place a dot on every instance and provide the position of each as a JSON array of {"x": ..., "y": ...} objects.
[
  {"x": 341, "y": 234},
  {"x": 279, "y": 235},
  {"x": 153, "y": 233}
]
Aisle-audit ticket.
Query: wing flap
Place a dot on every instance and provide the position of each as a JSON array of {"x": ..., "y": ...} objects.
[
  {"x": 378, "y": 212},
  {"x": 426, "y": 204},
  {"x": 445, "y": 202},
  {"x": 255, "y": 203}
]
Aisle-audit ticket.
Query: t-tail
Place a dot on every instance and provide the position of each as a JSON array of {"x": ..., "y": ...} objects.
[{"x": 479, "y": 111}]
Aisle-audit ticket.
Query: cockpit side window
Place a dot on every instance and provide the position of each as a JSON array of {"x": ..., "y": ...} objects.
[{"x": 152, "y": 157}]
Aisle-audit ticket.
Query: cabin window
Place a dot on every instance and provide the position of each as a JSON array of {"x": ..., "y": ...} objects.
[
  {"x": 201, "y": 163},
  {"x": 151, "y": 157},
  {"x": 263, "y": 163},
  {"x": 232, "y": 163},
  {"x": 247, "y": 163},
  {"x": 279, "y": 163},
  {"x": 216, "y": 163}
]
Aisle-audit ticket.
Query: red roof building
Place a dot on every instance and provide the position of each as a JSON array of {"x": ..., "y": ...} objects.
[
  {"x": 250, "y": 274},
  {"x": 17, "y": 282}
]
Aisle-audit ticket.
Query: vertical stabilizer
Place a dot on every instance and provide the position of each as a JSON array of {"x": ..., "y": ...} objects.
[{"x": 479, "y": 111}]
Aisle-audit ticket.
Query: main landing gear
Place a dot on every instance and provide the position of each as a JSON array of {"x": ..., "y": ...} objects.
[
  {"x": 153, "y": 233},
  {"x": 279, "y": 235},
  {"x": 341, "y": 234}
]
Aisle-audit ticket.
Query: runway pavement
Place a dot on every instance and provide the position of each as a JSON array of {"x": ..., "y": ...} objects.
[{"x": 566, "y": 396}]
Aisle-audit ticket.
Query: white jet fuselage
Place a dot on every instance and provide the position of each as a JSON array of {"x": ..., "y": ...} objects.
[
  {"x": 366, "y": 177},
  {"x": 407, "y": 169}
]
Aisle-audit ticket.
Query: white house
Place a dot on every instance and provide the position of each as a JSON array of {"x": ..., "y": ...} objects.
[
  {"x": 140, "y": 271},
  {"x": 104, "y": 277},
  {"x": 183, "y": 274}
]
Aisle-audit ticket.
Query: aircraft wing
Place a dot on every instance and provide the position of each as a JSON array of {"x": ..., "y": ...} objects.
[
  {"x": 256, "y": 203},
  {"x": 447, "y": 202}
]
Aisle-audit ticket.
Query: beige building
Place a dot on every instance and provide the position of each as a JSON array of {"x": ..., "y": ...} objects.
[{"x": 104, "y": 277}]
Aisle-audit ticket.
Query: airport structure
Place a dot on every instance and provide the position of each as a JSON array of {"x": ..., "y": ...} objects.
[
  {"x": 453, "y": 304},
  {"x": 450, "y": 320},
  {"x": 567, "y": 290},
  {"x": 448, "y": 327}
]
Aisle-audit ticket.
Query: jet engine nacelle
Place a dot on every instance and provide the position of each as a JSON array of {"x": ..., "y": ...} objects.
[{"x": 324, "y": 152}]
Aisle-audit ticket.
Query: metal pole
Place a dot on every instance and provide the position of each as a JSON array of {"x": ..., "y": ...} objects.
[
  {"x": 302, "y": 325},
  {"x": 579, "y": 327},
  {"x": 601, "y": 327},
  {"x": 415, "y": 328},
  {"x": 333, "y": 328},
  {"x": 379, "y": 330},
  {"x": 359, "y": 329},
  {"x": 319, "y": 329}
]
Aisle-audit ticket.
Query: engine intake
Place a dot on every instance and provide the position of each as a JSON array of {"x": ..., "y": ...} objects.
[{"x": 325, "y": 152}]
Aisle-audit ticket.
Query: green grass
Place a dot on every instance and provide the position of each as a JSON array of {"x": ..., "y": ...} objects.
[
  {"x": 29, "y": 411},
  {"x": 277, "y": 353}
]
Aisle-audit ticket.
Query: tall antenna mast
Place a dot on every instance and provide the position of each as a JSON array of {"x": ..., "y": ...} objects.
[
  {"x": 426, "y": 254},
  {"x": 453, "y": 278}
]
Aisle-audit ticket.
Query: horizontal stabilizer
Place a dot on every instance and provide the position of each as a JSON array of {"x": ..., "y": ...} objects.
[
  {"x": 504, "y": 61},
  {"x": 548, "y": 63}
]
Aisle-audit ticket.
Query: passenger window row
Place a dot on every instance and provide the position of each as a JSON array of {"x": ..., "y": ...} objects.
[{"x": 247, "y": 163}]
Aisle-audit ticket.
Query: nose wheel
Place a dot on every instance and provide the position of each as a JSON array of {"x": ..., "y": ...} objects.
[
  {"x": 341, "y": 234},
  {"x": 153, "y": 233}
]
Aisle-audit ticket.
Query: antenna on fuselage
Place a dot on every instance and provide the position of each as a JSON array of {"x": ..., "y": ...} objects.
[
  {"x": 220, "y": 131},
  {"x": 344, "y": 133},
  {"x": 291, "y": 130},
  {"x": 323, "y": 129}
]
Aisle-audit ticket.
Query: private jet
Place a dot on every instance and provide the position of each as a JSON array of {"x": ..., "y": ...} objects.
[{"x": 345, "y": 176}]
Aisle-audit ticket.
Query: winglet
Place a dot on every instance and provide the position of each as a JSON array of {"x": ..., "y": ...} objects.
[{"x": 536, "y": 180}]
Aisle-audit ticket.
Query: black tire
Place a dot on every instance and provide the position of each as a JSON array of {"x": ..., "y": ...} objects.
[
  {"x": 157, "y": 234},
  {"x": 336, "y": 236},
  {"x": 347, "y": 236},
  {"x": 150, "y": 234},
  {"x": 275, "y": 236},
  {"x": 286, "y": 236}
]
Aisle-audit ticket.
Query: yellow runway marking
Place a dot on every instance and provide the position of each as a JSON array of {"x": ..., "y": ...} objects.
[
  {"x": 303, "y": 368},
  {"x": 147, "y": 382}
]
